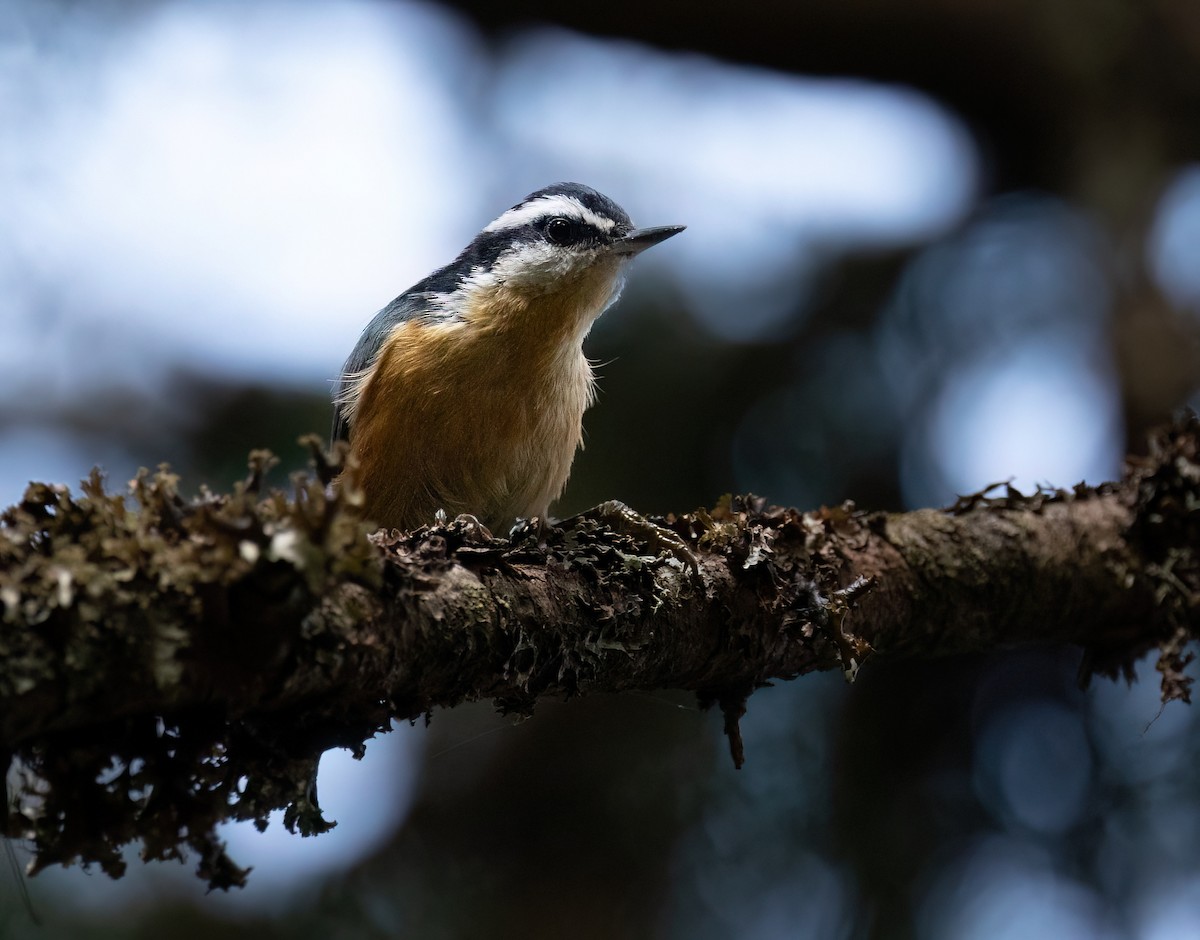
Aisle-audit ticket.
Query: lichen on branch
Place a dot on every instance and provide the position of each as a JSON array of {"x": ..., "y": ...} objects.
[{"x": 168, "y": 664}]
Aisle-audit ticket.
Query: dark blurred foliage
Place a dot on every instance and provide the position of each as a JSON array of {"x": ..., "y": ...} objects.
[{"x": 914, "y": 803}]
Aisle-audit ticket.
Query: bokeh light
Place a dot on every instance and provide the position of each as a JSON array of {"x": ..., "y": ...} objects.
[
  {"x": 1034, "y": 767},
  {"x": 997, "y": 340},
  {"x": 1004, "y": 889},
  {"x": 1042, "y": 415},
  {"x": 1173, "y": 239}
]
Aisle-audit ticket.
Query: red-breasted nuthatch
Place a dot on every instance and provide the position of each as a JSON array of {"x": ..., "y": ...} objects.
[{"x": 466, "y": 393}]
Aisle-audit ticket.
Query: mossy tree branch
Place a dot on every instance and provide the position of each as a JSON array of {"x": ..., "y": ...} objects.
[{"x": 170, "y": 665}]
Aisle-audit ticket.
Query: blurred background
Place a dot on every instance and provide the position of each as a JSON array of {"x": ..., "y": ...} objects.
[{"x": 930, "y": 246}]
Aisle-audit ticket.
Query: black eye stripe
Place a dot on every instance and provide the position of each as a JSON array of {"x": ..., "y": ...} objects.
[{"x": 563, "y": 231}]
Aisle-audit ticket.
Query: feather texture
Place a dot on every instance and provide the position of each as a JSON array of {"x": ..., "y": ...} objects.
[{"x": 478, "y": 413}]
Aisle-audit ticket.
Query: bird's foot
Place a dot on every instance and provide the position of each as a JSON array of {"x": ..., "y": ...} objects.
[{"x": 625, "y": 521}]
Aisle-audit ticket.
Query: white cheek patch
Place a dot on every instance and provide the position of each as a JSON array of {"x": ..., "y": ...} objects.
[
  {"x": 537, "y": 268},
  {"x": 529, "y": 266},
  {"x": 546, "y": 207}
]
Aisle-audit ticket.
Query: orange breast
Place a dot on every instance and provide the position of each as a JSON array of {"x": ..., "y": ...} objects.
[{"x": 481, "y": 415}]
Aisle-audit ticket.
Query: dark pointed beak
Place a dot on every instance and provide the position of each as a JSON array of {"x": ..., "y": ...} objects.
[{"x": 640, "y": 239}]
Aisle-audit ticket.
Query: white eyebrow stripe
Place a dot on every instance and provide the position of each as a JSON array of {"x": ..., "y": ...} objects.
[{"x": 550, "y": 205}]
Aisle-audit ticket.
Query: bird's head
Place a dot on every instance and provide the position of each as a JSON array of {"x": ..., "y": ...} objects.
[{"x": 564, "y": 247}]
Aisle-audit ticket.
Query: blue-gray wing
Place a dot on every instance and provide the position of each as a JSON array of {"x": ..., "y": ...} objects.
[{"x": 356, "y": 371}]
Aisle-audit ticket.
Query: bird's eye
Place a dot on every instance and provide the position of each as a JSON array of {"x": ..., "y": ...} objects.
[{"x": 560, "y": 231}]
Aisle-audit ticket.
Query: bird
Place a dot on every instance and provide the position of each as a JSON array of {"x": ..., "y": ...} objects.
[{"x": 466, "y": 394}]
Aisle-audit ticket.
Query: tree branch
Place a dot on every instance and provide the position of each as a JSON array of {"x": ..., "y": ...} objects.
[{"x": 168, "y": 667}]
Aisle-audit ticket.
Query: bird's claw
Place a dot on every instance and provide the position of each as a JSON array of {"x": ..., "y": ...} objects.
[{"x": 622, "y": 519}]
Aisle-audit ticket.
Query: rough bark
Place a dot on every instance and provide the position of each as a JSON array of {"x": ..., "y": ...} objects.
[{"x": 168, "y": 667}]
